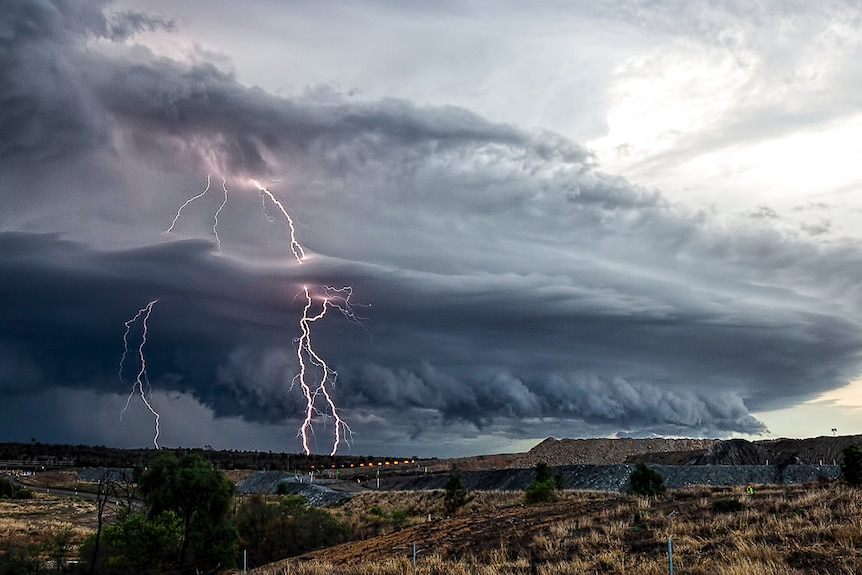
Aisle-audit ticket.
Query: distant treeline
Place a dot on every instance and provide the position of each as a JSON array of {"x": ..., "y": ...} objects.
[{"x": 53, "y": 455}]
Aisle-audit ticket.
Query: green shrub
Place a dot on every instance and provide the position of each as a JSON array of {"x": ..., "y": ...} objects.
[
  {"x": 543, "y": 487},
  {"x": 543, "y": 472},
  {"x": 456, "y": 493},
  {"x": 274, "y": 531},
  {"x": 9, "y": 490},
  {"x": 541, "y": 492},
  {"x": 399, "y": 518},
  {"x": 646, "y": 481}
]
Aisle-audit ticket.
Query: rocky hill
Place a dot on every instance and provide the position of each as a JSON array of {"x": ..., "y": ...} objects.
[
  {"x": 810, "y": 451},
  {"x": 557, "y": 452}
]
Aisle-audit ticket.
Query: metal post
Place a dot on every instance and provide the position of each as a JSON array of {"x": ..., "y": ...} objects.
[
  {"x": 669, "y": 556},
  {"x": 244, "y": 560},
  {"x": 414, "y": 555}
]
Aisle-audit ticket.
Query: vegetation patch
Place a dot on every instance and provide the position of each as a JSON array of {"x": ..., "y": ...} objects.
[
  {"x": 9, "y": 490},
  {"x": 727, "y": 505}
]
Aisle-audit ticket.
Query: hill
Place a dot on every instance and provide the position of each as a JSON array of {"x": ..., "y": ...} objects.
[{"x": 715, "y": 531}]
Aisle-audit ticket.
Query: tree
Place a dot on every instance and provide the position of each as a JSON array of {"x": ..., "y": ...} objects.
[
  {"x": 646, "y": 481},
  {"x": 58, "y": 545},
  {"x": 11, "y": 491},
  {"x": 103, "y": 494},
  {"x": 282, "y": 488},
  {"x": 456, "y": 493},
  {"x": 143, "y": 544},
  {"x": 201, "y": 498},
  {"x": 252, "y": 521},
  {"x": 543, "y": 472},
  {"x": 851, "y": 467},
  {"x": 543, "y": 487},
  {"x": 273, "y": 531}
]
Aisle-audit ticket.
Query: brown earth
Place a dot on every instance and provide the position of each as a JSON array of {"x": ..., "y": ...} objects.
[
  {"x": 554, "y": 452},
  {"x": 788, "y": 530},
  {"x": 476, "y": 534},
  {"x": 606, "y": 451}
]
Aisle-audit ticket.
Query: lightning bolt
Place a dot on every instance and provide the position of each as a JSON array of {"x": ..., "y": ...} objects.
[
  {"x": 265, "y": 194},
  {"x": 218, "y": 211},
  {"x": 310, "y": 362},
  {"x": 187, "y": 202},
  {"x": 141, "y": 378},
  {"x": 197, "y": 197},
  {"x": 305, "y": 354}
]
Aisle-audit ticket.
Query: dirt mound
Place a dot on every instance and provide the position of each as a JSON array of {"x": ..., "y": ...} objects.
[
  {"x": 556, "y": 452},
  {"x": 812, "y": 450},
  {"x": 782, "y": 452},
  {"x": 733, "y": 452}
]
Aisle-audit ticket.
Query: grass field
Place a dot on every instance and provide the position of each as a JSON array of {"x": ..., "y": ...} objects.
[
  {"x": 808, "y": 529},
  {"x": 779, "y": 530},
  {"x": 35, "y": 523}
]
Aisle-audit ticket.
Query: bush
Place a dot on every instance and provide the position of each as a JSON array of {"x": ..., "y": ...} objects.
[
  {"x": 543, "y": 488},
  {"x": 9, "y": 490},
  {"x": 543, "y": 472},
  {"x": 727, "y": 505},
  {"x": 456, "y": 493},
  {"x": 541, "y": 492},
  {"x": 141, "y": 544},
  {"x": 399, "y": 519},
  {"x": 851, "y": 467},
  {"x": 646, "y": 481},
  {"x": 290, "y": 527}
]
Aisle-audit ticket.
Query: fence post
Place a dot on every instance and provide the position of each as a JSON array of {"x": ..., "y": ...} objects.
[{"x": 669, "y": 556}]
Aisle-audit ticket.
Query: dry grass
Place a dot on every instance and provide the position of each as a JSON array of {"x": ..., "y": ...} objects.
[
  {"x": 781, "y": 530},
  {"x": 419, "y": 506},
  {"x": 29, "y": 522}
]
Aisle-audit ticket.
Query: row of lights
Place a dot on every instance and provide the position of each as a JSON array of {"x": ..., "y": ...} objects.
[{"x": 379, "y": 463}]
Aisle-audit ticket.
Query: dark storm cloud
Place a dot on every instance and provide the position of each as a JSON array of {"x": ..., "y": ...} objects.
[
  {"x": 514, "y": 288},
  {"x": 45, "y": 108}
]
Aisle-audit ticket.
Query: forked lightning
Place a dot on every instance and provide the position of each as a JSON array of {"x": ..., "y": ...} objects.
[
  {"x": 141, "y": 378},
  {"x": 310, "y": 362}
]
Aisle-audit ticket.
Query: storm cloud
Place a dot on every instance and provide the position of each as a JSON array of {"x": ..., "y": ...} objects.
[{"x": 509, "y": 287}]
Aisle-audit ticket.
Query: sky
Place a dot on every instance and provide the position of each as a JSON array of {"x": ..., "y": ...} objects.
[{"x": 574, "y": 219}]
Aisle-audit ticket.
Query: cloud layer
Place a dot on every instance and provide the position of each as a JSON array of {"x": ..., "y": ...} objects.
[{"x": 512, "y": 288}]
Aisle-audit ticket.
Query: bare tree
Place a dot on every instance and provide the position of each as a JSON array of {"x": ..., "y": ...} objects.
[
  {"x": 103, "y": 495},
  {"x": 124, "y": 488}
]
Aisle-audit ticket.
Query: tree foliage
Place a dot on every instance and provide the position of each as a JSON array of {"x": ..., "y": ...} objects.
[
  {"x": 543, "y": 472},
  {"x": 201, "y": 498},
  {"x": 456, "y": 493},
  {"x": 543, "y": 488},
  {"x": 273, "y": 531},
  {"x": 851, "y": 467},
  {"x": 141, "y": 544},
  {"x": 9, "y": 490},
  {"x": 646, "y": 481}
]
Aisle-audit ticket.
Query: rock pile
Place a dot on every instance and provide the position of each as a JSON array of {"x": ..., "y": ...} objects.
[{"x": 556, "y": 452}]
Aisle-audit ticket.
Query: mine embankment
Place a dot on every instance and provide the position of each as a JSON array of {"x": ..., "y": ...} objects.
[
  {"x": 582, "y": 477},
  {"x": 615, "y": 477}
]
